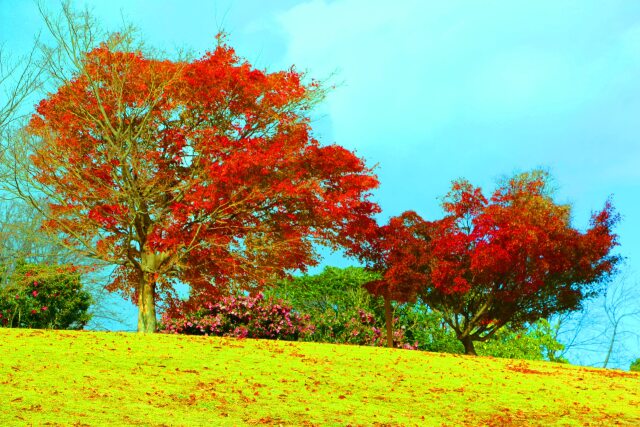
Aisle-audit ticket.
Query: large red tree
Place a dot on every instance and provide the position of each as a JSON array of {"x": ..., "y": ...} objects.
[
  {"x": 514, "y": 257},
  {"x": 203, "y": 172}
]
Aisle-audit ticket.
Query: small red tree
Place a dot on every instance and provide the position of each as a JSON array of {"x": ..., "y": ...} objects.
[
  {"x": 202, "y": 172},
  {"x": 400, "y": 255},
  {"x": 512, "y": 258}
]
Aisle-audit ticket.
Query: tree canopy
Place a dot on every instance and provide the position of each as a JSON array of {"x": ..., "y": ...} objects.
[
  {"x": 513, "y": 257},
  {"x": 203, "y": 172}
]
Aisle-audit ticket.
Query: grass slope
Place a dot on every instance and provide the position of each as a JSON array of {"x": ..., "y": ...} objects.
[{"x": 91, "y": 378}]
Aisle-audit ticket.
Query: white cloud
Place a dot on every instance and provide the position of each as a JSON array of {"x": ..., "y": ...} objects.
[{"x": 414, "y": 68}]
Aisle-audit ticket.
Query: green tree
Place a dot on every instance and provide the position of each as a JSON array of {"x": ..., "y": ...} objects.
[
  {"x": 334, "y": 289},
  {"x": 341, "y": 310}
]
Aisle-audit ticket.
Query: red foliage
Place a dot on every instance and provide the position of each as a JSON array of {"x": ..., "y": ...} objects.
[
  {"x": 397, "y": 249},
  {"x": 512, "y": 258},
  {"x": 204, "y": 172}
]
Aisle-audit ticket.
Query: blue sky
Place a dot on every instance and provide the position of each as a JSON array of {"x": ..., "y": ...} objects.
[{"x": 432, "y": 91}]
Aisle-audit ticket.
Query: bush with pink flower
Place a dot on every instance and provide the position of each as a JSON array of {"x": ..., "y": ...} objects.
[
  {"x": 240, "y": 316},
  {"x": 44, "y": 296}
]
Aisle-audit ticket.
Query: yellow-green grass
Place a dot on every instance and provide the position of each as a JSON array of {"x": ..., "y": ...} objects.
[{"x": 98, "y": 378}]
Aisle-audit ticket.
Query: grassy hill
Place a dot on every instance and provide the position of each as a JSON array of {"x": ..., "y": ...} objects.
[{"x": 92, "y": 378}]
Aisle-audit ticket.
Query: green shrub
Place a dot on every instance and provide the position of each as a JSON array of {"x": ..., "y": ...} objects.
[
  {"x": 635, "y": 365},
  {"x": 425, "y": 326},
  {"x": 44, "y": 297},
  {"x": 536, "y": 342}
]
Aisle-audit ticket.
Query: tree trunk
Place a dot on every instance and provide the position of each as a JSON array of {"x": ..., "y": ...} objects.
[
  {"x": 611, "y": 343},
  {"x": 147, "y": 321},
  {"x": 389, "y": 321},
  {"x": 468, "y": 346}
]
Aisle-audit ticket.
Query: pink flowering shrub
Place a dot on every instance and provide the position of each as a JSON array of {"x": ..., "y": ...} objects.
[
  {"x": 44, "y": 297},
  {"x": 238, "y": 316}
]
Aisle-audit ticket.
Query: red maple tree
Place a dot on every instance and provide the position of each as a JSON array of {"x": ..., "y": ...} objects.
[
  {"x": 203, "y": 172},
  {"x": 514, "y": 257}
]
